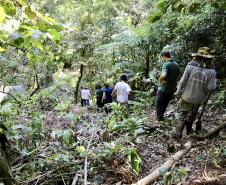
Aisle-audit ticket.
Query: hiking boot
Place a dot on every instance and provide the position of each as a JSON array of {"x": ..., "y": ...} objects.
[
  {"x": 198, "y": 127},
  {"x": 189, "y": 129},
  {"x": 178, "y": 130}
]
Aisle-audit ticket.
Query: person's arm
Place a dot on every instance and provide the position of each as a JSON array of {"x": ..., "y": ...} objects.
[
  {"x": 128, "y": 90},
  {"x": 163, "y": 75},
  {"x": 114, "y": 90},
  {"x": 103, "y": 97},
  {"x": 162, "y": 78}
]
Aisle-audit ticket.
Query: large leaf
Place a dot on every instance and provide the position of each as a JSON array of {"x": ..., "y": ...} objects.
[
  {"x": 134, "y": 160},
  {"x": 2, "y": 14},
  {"x": 2, "y": 49},
  {"x": 67, "y": 137},
  {"x": 30, "y": 14},
  {"x": 53, "y": 34},
  {"x": 42, "y": 26},
  {"x": 19, "y": 41},
  {"x": 36, "y": 43},
  {"x": 45, "y": 18},
  {"x": 9, "y": 8},
  {"x": 155, "y": 17},
  {"x": 163, "y": 5}
]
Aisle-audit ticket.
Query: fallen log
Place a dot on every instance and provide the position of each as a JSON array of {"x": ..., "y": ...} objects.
[
  {"x": 219, "y": 180},
  {"x": 211, "y": 134},
  {"x": 167, "y": 165}
]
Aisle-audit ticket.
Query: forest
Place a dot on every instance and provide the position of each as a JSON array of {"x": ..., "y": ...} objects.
[{"x": 51, "y": 51}]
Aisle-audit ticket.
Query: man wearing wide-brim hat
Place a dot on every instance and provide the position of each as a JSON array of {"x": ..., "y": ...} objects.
[{"x": 199, "y": 78}]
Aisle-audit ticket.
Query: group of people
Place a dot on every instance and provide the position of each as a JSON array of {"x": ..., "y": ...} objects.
[
  {"x": 192, "y": 89},
  {"x": 105, "y": 95},
  {"x": 197, "y": 81}
]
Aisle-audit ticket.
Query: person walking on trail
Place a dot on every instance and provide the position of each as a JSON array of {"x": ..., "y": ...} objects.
[
  {"x": 99, "y": 95},
  {"x": 107, "y": 97},
  {"x": 198, "y": 80},
  {"x": 85, "y": 96},
  {"x": 168, "y": 82},
  {"x": 123, "y": 90}
]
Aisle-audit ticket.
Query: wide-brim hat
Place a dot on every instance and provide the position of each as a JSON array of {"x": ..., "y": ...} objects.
[{"x": 202, "y": 52}]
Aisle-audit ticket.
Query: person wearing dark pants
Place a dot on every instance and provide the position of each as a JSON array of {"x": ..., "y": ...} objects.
[
  {"x": 168, "y": 82},
  {"x": 107, "y": 97},
  {"x": 162, "y": 102},
  {"x": 99, "y": 95}
]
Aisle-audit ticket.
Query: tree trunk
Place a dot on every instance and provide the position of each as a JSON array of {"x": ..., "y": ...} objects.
[
  {"x": 147, "y": 64},
  {"x": 36, "y": 85},
  {"x": 5, "y": 174},
  {"x": 78, "y": 83}
]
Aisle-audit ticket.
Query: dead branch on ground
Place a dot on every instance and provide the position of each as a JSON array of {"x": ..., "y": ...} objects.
[
  {"x": 86, "y": 158},
  {"x": 167, "y": 165},
  {"x": 219, "y": 180},
  {"x": 211, "y": 134}
]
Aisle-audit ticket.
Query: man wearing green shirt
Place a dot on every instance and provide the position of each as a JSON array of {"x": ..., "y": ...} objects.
[{"x": 168, "y": 82}]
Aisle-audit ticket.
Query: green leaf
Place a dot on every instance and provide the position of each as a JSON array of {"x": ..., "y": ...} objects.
[
  {"x": 9, "y": 8},
  {"x": 134, "y": 160},
  {"x": 53, "y": 34},
  {"x": 19, "y": 41},
  {"x": 2, "y": 14},
  {"x": 21, "y": 2},
  {"x": 222, "y": 6},
  {"x": 155, "y": 17},
  {"x": 42, "y": 26},
  {"x": 2, "y": 49},
  {"x": 30, "y": 56},
  {"x": 30, "y": 14},
  {"x": 58, "y": 27},
  {"x": 163, "y": 5},
  {"x": 46, "y": 18},
  {"x": 81, "y": 150},
  {"x": 194, "y": 7},
  {"x": 25, "y": 26},
  {"x": 67, "y": 137},
  {"x": 36, "y": 44},
  {"x": 178, "y": 7}
]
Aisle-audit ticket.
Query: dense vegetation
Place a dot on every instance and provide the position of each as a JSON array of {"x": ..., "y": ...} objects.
[{"x": 49, "y": 48}]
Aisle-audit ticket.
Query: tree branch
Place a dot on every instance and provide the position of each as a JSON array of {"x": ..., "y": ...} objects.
[
  {"x": 167, "y": 165},
  {"x": 87, "y": 150},
  {"x": 12, "y": 97}
]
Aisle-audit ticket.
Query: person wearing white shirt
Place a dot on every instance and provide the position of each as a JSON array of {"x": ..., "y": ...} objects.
[
  {"x": 85, "y": 96},
  {"x": 122, "y": 90}
]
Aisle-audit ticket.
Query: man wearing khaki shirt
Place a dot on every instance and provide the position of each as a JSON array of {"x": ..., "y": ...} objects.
[{"x": 198, "y": 80}]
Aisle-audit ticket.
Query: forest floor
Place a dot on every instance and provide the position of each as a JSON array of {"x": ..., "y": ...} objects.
[
  {"x": 201, "y": 162},
  {"x": 58, "y": 155}
]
